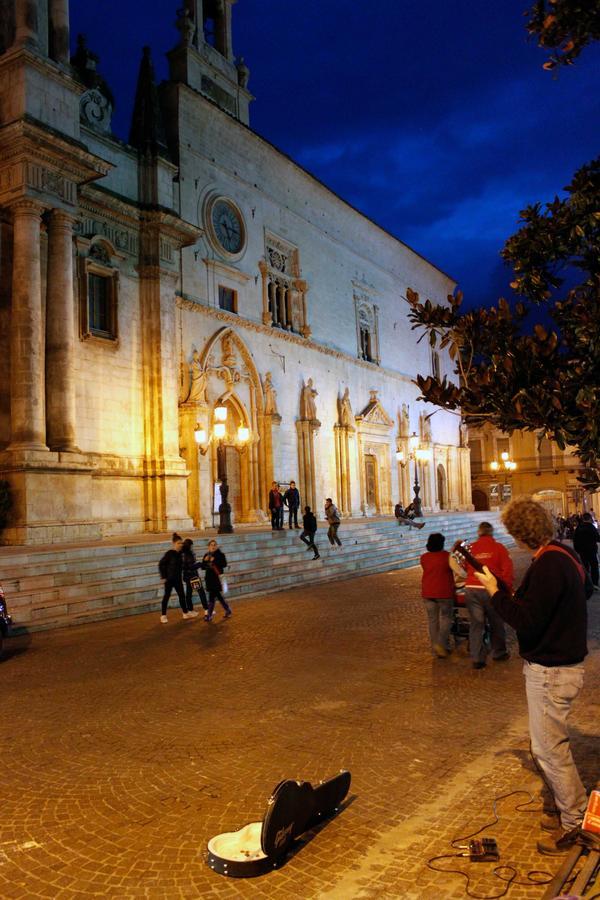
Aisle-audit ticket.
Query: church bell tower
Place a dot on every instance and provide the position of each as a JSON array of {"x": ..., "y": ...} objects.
[{"x": 204, "y": 59}]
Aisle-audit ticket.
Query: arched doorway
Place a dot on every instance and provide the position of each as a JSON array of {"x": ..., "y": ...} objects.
[
  {"x": 442, "y": 487},
  {"x": 554, "y": 501},
  {"x": 371, "y": 482},
  {"x": 480, "y": 500},
  {"x": 223, "y": 373}
]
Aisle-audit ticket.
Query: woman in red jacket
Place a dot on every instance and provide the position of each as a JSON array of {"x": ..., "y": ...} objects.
[{"x": 438, "y": 593}]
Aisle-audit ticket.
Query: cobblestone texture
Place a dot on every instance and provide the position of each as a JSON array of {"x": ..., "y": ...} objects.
[{"x": 127, "y": 744}]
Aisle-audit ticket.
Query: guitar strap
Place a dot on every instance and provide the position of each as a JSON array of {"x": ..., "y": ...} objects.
[{"x": 549, "y": 547}]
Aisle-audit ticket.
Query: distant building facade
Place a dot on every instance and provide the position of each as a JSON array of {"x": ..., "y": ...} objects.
[
  {"x": 541, "y": 469},
  {"x": 144, "y": 284}
]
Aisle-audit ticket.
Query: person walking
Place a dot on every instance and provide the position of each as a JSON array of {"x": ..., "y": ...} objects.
[
  {"x": 496, "y": 557},
  {"x": 276, "y": 507},
  {"x": 437, "y": 589},
  {"x": 170, "y": 568},
  {"x": 333, "y": 517},
  {"x": 309, "y": 521},
  {"x": 549, "y": 614},
  {"x": 291, "y": 498},
  {"x": 585, "y": 542},
  {"x": 191, "y": 578},
  {"x": 214, "y": 562}
]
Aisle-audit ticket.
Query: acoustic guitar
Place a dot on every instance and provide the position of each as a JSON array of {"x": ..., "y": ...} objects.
[{"x": 462, "y": 550}]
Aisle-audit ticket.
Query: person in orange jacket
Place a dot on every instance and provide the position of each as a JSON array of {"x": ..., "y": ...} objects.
[{"x": 495, "y": 556}]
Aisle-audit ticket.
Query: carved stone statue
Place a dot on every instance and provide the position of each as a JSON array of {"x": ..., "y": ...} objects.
[
  {"x": 404, "y": 421},
  {"x": 270, "y": 396},
  {"x": 186, "y": 27},
  {"x": 308, "y": 407},
  {"x": 199, "y": 379},
  {"x": 345, "y": 409},
  {"x": 228, "y": 352},
  {"x": 464, "y": 434},
  {"x": 243, "y": 72},
  {"x": 426, "y": 428}
]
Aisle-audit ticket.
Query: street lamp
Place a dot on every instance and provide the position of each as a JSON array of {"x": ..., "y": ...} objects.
[
  {"x": 418, "y": 454},
  {"x": 219, "y": 432},
  {"x": 506, "y": 465}
]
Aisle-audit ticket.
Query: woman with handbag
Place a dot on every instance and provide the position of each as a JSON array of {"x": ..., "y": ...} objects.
[
  {"x": 191, "y": 578},
  {"x": 214, "y": 562}
]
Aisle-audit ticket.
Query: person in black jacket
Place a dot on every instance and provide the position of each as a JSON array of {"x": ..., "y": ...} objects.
[
  {"x": 549, "y": 614},
  {"x": 214, "y": 563},
  {"x": 291, "y": 498},
  {"x": 170, "y": 568},
  {"x": 309, "y": 521},
  {"x": 191, "y": 578},
  {"x": 585, "y": 542}
]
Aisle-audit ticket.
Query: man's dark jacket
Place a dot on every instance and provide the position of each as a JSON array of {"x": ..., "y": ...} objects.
[
  {"x": 586, "y": 539},
  {"x": 549, "y": 609}
]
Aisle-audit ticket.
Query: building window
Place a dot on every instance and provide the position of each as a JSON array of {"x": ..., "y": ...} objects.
[
  {"x": 285, "y": 297},
  {"x": 367, "y": 332},
  {"x": 545, "y": 454},
  {"x": 476, "y": 456},
  {"x": 98, "y": 291},
  {"x": 502, "y": 446},
  {"x": 227, "y": 299}
]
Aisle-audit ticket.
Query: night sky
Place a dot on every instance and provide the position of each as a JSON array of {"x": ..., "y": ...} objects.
[{"x": 435, "y": 119}]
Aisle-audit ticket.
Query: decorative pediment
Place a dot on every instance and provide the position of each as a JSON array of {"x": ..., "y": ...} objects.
[{"x": 374, "y": 414}]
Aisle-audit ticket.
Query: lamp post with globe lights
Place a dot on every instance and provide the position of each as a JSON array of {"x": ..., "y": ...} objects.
[
  {"x": 419, "y": 455},
  {"x": 218, "y": 434}
]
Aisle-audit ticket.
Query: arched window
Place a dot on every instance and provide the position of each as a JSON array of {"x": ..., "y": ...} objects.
[{"x": 366, "y": 330}]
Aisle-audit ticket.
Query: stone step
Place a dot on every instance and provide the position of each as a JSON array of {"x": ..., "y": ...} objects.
[{"x": 76, "y": 584}]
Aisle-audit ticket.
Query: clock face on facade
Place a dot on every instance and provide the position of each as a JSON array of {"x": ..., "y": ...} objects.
[{"x": 227, "y": 226}]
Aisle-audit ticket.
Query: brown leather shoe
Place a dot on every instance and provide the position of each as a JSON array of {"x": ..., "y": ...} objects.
[{"x": 560, "y": 842}]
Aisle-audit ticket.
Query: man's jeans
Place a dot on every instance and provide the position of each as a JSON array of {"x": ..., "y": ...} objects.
[
  {"x": 550, "y": 692},
  {"x": 439, "y": 619},
  {"x": 479, "y": 606}
]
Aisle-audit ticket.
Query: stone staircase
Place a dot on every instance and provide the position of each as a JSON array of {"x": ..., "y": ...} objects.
[{"x": 49, "y": 587}]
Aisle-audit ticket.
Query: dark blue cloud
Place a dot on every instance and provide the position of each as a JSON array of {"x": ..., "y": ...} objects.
[{"x": 435, "y": 119}]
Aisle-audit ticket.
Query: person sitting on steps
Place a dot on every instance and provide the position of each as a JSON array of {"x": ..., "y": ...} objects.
[{"x": 406, "y": 516}]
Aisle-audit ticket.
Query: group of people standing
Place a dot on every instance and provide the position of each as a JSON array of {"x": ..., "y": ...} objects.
[
  {"x": 548, "y": 611},
  {"x": 291, "y": 499},
  {"x": 180, "y": 571}
]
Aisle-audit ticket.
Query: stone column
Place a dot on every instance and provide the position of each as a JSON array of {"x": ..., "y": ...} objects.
[
  {"x": 266, "y": 315},
  {"x": 60, "y": 335},
  {"x": 28, "y": 427},
  {"x": 59, "y": 31},
  {"x": 26, "y": 22}
]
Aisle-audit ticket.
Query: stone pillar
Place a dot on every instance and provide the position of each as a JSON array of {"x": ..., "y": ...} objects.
[
  {"x": 306, "y": 460},
  {"x": 59, "y": 31},
  {"x": 264, "y": 272},
  {"x": 28, "y": 426},
  {"x": 60, "y": 335},
  {"x": 26, "y": 22}
]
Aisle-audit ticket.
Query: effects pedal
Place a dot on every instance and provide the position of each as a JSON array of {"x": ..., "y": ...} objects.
[{"x": 485, "y": 850}]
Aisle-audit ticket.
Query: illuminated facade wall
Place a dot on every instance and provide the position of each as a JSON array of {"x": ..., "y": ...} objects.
[{"x": 143, "y": 283}]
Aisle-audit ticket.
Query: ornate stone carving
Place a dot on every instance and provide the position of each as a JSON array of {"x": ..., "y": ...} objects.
[
  {"x": 270, "y": 396},
  {"x": 346, "y": 416},
  {"x": 198, "y": 380},
  {"x": 404, "y": 421},
  {"x": 243, "y": 73},
  {"x": 464, "y": 434},
  {"x": 308, "y": 407},
  {"x": 95, "y": 110},
  {"x": 229, "y": 358}
]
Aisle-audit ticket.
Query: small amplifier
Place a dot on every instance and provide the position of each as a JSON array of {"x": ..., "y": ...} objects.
[{"x": 485, "y": 850}]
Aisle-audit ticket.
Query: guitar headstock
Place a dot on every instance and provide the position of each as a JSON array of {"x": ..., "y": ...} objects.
[{"x": 462, "y": 551}]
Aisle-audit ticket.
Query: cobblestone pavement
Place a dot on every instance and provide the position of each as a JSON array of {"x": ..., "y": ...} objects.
[{"x": 127, "y": 744}]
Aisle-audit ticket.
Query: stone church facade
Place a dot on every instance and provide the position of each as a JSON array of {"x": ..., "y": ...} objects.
[{"x": 145, "y": 284}]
